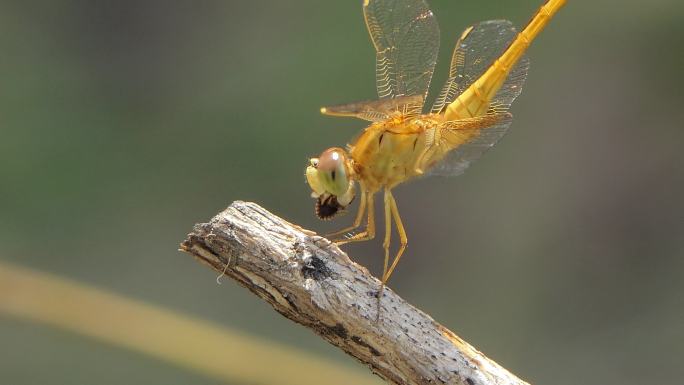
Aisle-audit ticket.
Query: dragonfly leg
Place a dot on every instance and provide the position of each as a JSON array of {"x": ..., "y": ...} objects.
[
  {"x": 388, "y": 231},
  {"x": 369, "y": 232},
  {"x": 385, "y": 244},
  {"x": 402, "y": 238},
  {"x": 357, "y": 220}
]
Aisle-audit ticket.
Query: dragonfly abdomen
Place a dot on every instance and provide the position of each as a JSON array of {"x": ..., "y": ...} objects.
[{"x": 475, "y": 100}]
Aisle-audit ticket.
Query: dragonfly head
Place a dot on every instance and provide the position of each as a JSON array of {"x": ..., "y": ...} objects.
[{"x": 330, "y": 179}]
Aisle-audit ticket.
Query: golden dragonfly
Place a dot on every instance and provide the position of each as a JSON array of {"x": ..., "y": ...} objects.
[{"x": 470, "y": 114}]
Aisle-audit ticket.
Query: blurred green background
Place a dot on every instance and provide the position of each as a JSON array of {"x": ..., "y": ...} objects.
[{"x": 560, "y": 254}]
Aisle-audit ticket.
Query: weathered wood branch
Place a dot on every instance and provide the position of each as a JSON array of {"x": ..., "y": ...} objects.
[{"x": 311, "y": 281}]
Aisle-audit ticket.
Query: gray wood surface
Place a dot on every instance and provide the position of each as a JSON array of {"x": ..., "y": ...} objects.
[{"x": 312, "y": 282}]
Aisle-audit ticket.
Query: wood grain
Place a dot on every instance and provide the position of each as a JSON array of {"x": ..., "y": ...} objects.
[{"x": 312, "y": 282}]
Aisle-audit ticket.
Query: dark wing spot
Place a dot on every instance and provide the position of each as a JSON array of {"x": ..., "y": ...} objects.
[
  {"x": 332, "y": 174},
  {"x": 414, "y": 144},
  {"x": 380, "y": 138}
]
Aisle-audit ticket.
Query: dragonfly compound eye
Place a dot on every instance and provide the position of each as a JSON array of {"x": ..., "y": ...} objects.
[{"x": 332, "y": 171}]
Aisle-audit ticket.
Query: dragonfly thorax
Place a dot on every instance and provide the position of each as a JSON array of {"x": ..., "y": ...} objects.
[{"x": 389, "y": 153}]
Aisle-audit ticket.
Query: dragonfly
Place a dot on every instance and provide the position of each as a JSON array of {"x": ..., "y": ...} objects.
[{"x": 404, "y": 142}]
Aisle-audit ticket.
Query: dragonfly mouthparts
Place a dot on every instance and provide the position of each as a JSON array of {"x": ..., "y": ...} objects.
[{"x": 327, "y": 207}]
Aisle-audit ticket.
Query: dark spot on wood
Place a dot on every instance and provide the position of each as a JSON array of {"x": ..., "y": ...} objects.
[
  {"x": 363, "y": 343},
  {"x": 315, "y": 268},
  {"x": 470, "y": 381},
  {"x": 380, "y": 138},
  {"x": 415, "y": 142},
  {"x": 340, "y": 331}
]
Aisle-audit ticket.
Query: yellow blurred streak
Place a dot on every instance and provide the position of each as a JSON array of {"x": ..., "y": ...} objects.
[{"x": 189, "y": 342}]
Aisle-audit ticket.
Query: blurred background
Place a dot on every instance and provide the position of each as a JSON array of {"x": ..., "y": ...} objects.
[{"x": 559, "y": 254}]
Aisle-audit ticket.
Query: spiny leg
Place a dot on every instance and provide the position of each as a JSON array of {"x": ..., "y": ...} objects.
[
  {"x": 385, "y": 244},
  {"x": 388, "y": 231},
  {"x": 357, "y": 220},
  {"x": 369, "y": 232},
  {"x": 402, "y": 238}
]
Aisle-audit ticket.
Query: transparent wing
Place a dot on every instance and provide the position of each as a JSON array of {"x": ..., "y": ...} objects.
[
  {"x": 479, "y": 46},
  {"x": 376, "y": 110},
  {"x": 406, "y": 38},
  {"x": 511, "y": 88},
  {"x": 474, "y": 142}
]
